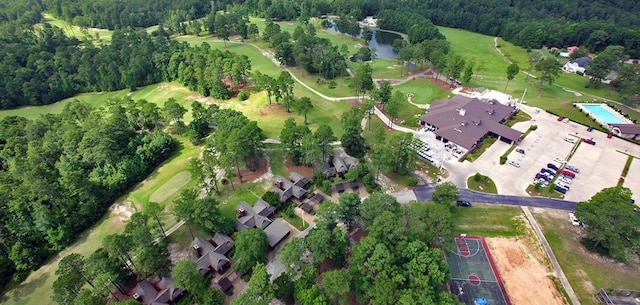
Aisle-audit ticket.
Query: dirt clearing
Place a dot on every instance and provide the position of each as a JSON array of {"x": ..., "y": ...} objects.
[{"x": 523, "y": 268}]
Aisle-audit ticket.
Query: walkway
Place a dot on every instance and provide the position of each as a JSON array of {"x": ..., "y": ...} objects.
[
  {"x": 573, "y": 298},
  {"x": 424, "y": 192}
]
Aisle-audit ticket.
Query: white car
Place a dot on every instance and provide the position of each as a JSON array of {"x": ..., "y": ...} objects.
[
  {"x": 559, "y": 160},
  {"x": 565, "y": 179},
  {"x": 573, "y": 219},
  {"x": 570, "y": 140},
  {"x": 514, "y": 163},
  {"x": 561, "y": 184}
]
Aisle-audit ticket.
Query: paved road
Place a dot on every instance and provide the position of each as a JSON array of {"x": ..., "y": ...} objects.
[{"x": 423, "y": 193}]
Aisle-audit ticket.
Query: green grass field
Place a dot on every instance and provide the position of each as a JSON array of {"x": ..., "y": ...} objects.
[
  {"x": 586, "y": 272},
  {"x": 485, "y": 184},
  {"x": 157, "y": 93},
  {"x": 36, "y": 289},
  {"x": 489, "y": 220},
  {"x": 424, "y": 91},
  {"x": 98, "y": 36}
]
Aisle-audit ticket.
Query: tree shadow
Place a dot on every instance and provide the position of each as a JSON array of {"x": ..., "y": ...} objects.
[{"x": 25, "y": 289}]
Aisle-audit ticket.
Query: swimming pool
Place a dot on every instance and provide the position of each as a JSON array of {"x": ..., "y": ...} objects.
[{"x": 603, "y": 112}]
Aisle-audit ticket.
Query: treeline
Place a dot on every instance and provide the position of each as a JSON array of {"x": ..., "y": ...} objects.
[
  {"x": 59, "y": 173},
  {"x": 114, "y": 14},
  {"x": 208, "y": 71},
  {"x": 41, "y": 66}
]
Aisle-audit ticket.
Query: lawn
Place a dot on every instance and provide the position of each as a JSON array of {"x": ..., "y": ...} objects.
[
  {"x": 36, "y": 289},
  {"x": 98, "y": 36},
  {"x": 585, "y": 271},
  {"x": 480, "y": 149},
  {"x": 477, "y": 47},
  {"x": 156, "y": 93},
  {"x": 276, "y": 161},
  {"x": 489, "y": 220},
  {"x": 481, "y": 183},
  {"x": 424, "y": 91}
]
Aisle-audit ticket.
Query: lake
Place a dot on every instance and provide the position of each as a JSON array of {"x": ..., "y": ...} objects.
[{"x": 382, "y": 42}]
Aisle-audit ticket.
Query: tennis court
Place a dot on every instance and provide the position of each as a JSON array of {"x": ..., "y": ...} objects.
[{"x": 473, "y": 273}]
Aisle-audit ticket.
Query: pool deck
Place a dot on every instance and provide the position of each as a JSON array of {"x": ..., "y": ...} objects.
[{"x": 600, "y": 120}]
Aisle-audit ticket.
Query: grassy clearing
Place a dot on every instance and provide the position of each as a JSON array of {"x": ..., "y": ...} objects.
[
  {"x": 585, "y": 271},
  {"x": 478, "y": 47},
  {"x": 408, "y": 114},
  {"x": 482, "y": 183},
  {"x": 156, "y": 93},
  {"x": 172, "y": 186},
  {"x": 489, "y": 220},
  {"x": 295, "y": 221},
  {"x": 520, "y": 116},
  {"x": 383, "y": 68},
  {"x": 98, "y": 36},
  {"x": 424, "y": 91},
  {"x": 276, "y": 161},
  {"x": 342, "y": 89},
  {"x": 36, "y": 289}
]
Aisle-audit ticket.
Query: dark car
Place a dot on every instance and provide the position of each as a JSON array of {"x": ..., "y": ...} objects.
[
  {"x": 546, "y": 170},
  {"x": 463, "y": 203},
  {"x": 520, "y": 150},
  {"x": 552, "y": 166},
  {"x": 560, "y": 119},
  {"x": 560, "y": 189},
  {"x": 589, "y": 141}
]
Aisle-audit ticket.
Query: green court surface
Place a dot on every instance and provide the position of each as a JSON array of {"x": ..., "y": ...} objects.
[{"x": 473, "y": 273}]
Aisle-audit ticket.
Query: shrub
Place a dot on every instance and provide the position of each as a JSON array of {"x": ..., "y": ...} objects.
[
  {"x": 326, "y": 187},
  {"x": 224, "y": 181},
  {"x": 533, "y": 127},
  {"x": 370, "y": 183},
  {"x": 503, "y": 159},
  {"x": 412, "y": 181},
  {"x": 332, "y": 84},
  {"x": 243, "y": 96},
  {"x": 477, "y": 177}
]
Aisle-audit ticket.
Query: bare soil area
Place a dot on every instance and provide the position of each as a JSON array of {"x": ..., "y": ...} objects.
[
  {"x": 523, "y": 268},
  {"x": 249, "y": 176},
  {"x": 304, "y": 170}
]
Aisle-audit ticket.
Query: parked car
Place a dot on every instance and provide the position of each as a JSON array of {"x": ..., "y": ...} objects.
[
  {"x": 552, "y": 166},
  {"x": 561, "y": 184},
  {"x": 463, "y": 203},
  {"x": 520, "y": 150},
  {"x": 589, "y": 141},
  {"x": 560, "y": 189},
  {"x": 560, "y": 119},
  {"x": 569, "y": 174},
  {"x": 565, "y": 179},
  {"x": 514, "y": 163},
  {"x": 573, "y": 219},
  {"x": 571, "y": 140},
  {"x": 572, "y": 168},
  {"x": 589, "y": 129},
  {"x": 546, "y": 170},
  {"x": 559, "y": 160}
]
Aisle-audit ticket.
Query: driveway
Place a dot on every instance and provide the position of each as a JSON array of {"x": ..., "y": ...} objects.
[{"x": 424, "y": 192}]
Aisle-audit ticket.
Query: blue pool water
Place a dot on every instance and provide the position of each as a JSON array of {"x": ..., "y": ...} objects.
[{"x": 603, "y": 113}]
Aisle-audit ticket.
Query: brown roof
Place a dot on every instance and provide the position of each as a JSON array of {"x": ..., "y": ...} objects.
[
  {"x": 465, "y": 120},
  {"x": 627, "y": 128},
  {"x": 276, "y": 232}
]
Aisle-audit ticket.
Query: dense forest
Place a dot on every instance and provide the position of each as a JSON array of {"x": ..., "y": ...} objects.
[{"x": 59, "y": 173}]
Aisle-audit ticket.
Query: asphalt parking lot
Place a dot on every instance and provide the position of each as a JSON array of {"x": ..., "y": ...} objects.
[
  {"x": 600, "y": 167},
  {"x": 632, "y": 180}
]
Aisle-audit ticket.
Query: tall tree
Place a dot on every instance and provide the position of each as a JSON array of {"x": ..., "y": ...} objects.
[
  {"x": 259, "y": 290},
  {"x": 336, "y": 283},
  {"x": 534, "y": 58},
  {"x": 304, "y": 105},
  {"x": 382, "y": 95},
  {"x": 550, "y": 69},
  {"x": 393, "y": 106},
  {"x": 348, "y": 205},
  {"x": 512, "y": 71},
  {"x": 175, "y": 112},
  {"x": 611, "y": 223},
  {"x": 323, "y": 138},
  {"x": 251, "y": 247},
  {"x": 155, "y": 211},
  {"x": 188, "y": 276},
  {"x": 446, "y": 193}
]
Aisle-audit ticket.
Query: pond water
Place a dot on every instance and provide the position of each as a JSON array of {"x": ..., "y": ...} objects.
[{"x": 382, "y": 42}]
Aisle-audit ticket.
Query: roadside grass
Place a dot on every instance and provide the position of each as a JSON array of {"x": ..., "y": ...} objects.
[
  {"x": 408, "y": 114},
  {"x": 37, "y": 288},
  {"x": 488, "y": 220},
  {"x": 431, "y": 170},
  {"x": 547, "y": 191},
  {"x": 586, "y": 272},
  {"x": 424, "y": 91},
  {"x": 482, "y": 183},
  {"x": 376, "y": 124}
]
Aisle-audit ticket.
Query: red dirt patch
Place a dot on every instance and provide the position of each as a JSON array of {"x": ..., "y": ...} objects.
[
  {"x": 306, "y": 171},
  {"x": 248, "y": 176}
]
